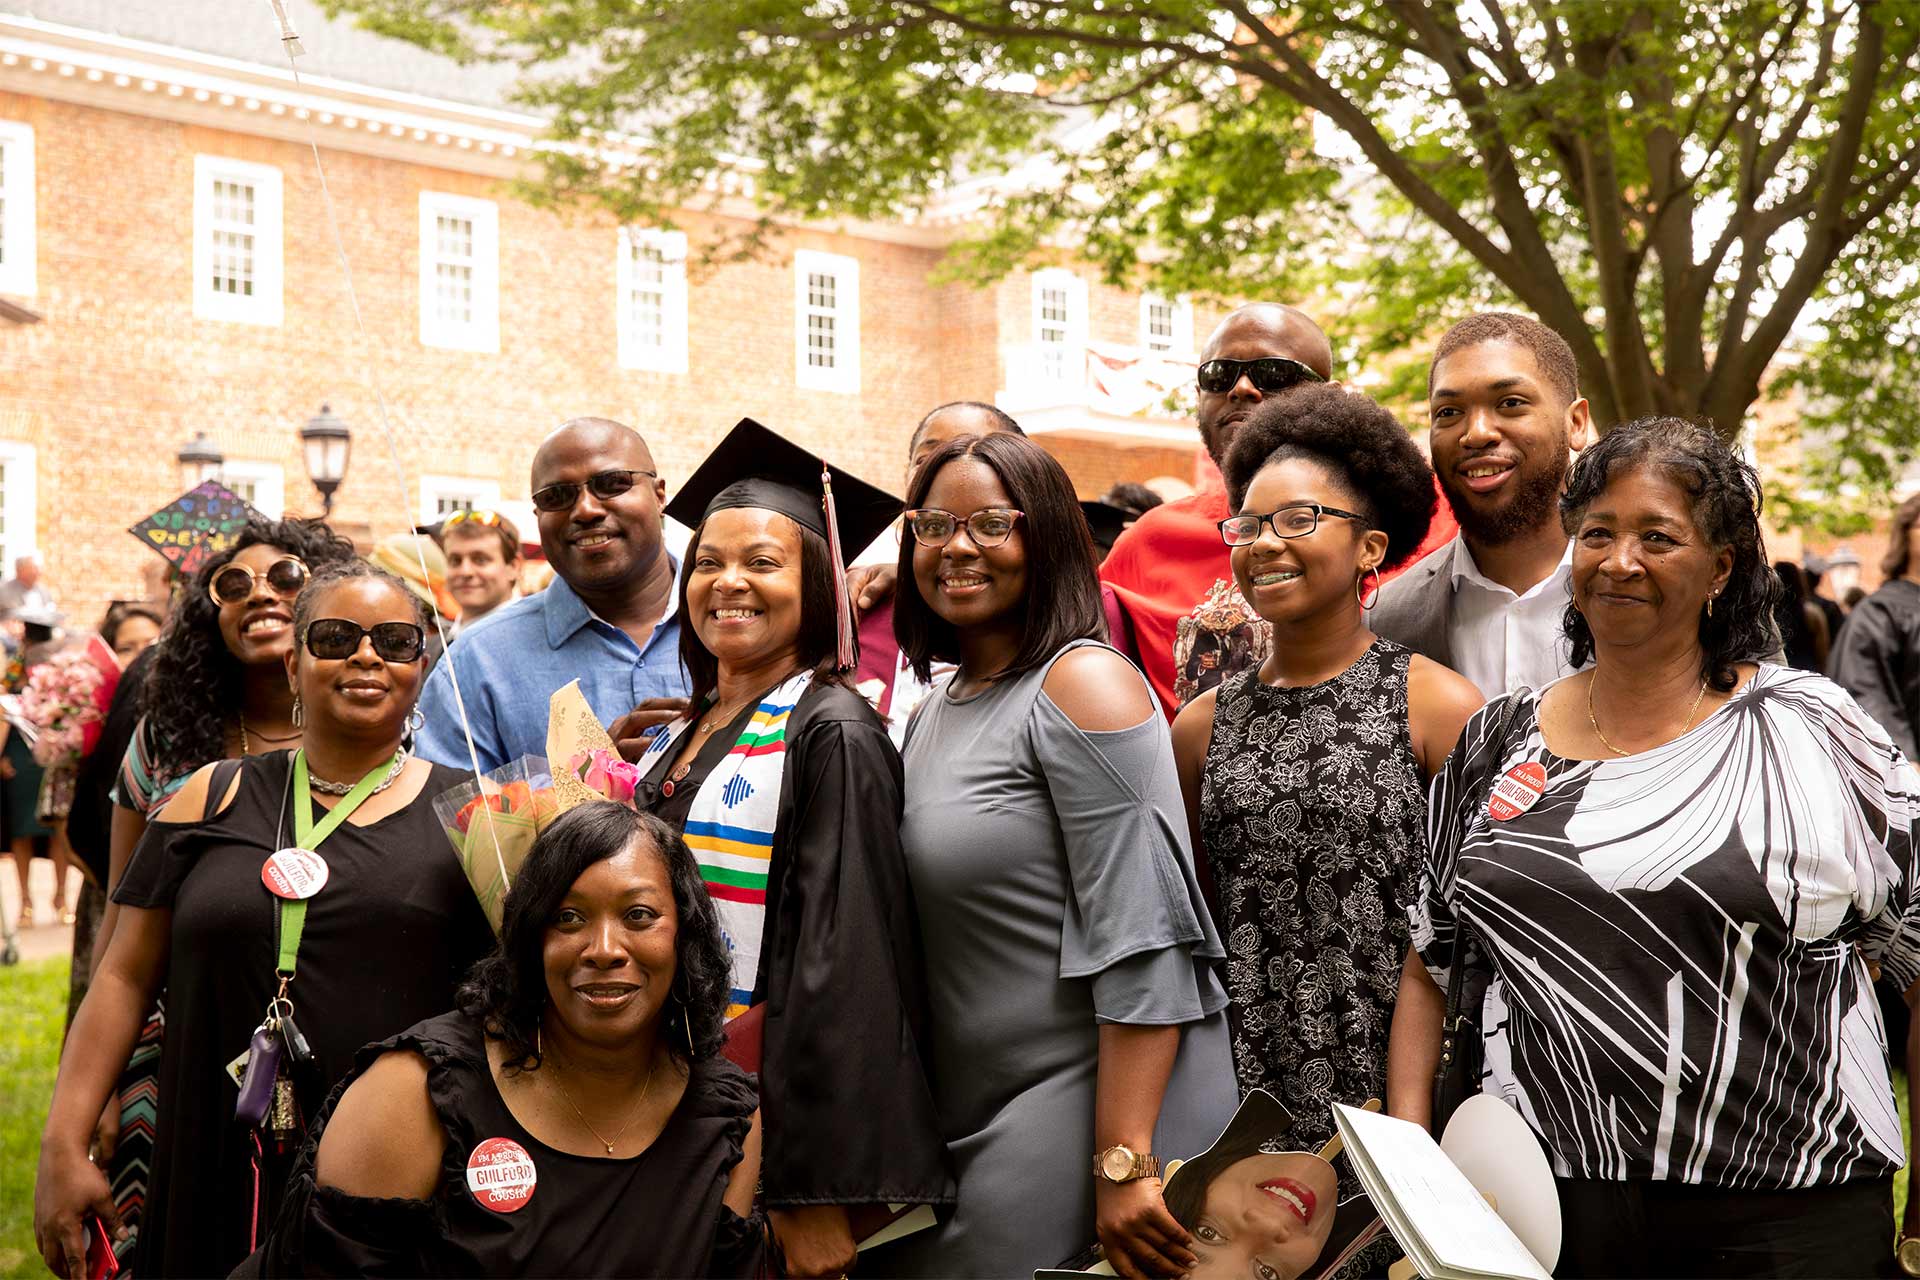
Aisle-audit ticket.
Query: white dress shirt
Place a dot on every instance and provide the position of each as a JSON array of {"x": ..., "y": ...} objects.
[{"x": 1502, "y": 641}]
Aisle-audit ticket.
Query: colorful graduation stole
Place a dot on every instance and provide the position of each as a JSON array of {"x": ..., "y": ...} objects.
[{"x": 730, "y": 827}]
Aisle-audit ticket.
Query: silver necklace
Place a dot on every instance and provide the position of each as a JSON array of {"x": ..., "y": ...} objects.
[{"x": 327, "y": 788}]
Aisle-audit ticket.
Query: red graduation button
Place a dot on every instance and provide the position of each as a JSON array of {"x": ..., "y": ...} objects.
[
  {"x": 500, "y": 1175},
  {"x": 294, "y": 874},
  {"x": 1516, "y": 793}
]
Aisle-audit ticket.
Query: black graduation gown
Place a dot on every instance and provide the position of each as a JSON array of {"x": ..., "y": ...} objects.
[{"x": 845, "y": 1105}]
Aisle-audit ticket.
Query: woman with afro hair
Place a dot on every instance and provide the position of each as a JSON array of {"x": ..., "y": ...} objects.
[{"x": 1306, "y": 778}]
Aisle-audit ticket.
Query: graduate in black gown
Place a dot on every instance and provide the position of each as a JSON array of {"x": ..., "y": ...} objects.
[{"x": 788, "y": 791}]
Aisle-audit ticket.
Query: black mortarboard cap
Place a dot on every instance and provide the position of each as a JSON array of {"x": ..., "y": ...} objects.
[
  {"x": 756, "y": 467},
  {"x": 1107, "y": 521}
]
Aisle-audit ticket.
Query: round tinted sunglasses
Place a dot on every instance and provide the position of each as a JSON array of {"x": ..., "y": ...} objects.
[
  {"x": 234, "y": 583},
  {"x": 491, "y": 519},
  {"x": 603, "y": 485},
  {"x": 339, "y": 638},
  {"x": 987, "y": 527},
  {"x": 1268, "y": 375}
]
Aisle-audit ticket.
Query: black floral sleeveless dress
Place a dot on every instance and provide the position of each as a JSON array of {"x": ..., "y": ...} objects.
[{"x": 1313, "y": 817}]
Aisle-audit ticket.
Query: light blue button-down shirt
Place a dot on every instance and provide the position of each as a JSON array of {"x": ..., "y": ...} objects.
[{"x": 511, "y": 661}]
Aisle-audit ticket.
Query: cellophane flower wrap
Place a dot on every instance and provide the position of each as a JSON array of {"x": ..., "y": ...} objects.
[
  {"x": 59, "y": 699},
  {"x": 493, "y": 823}
]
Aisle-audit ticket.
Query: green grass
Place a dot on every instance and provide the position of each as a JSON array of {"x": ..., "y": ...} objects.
[{"x": 33, "y": 1006}]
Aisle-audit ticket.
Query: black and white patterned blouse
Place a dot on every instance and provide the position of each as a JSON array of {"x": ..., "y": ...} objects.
[
  {"x": 1680, "y": 937},
  {"x": 1312, "y": 814}
]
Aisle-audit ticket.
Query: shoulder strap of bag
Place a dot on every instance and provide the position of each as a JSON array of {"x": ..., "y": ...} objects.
[{"x": 1497, "y": 733}]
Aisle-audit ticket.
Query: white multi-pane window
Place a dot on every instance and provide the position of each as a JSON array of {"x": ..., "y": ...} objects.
[
  {"x": 236, "y": 241},
  {"x": 441, "y": 496},
  {"x": 1060, "y": 324},
  {"x": 826, "y": 300},
  {"x": 16, "y": 208},
  {"x": 262, "y": 484},
  {"x": 1166, "y": 324},
  {"x": 652, "y": 292},
  {"x": 18, "y": 503},
  {"x": 459, "y": 272}
]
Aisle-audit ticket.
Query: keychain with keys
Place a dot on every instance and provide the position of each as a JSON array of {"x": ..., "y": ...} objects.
[{"x": 263, "y": 1070}]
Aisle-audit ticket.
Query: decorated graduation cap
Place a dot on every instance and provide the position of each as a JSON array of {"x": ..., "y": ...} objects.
[{"x": 759, "y": 468}]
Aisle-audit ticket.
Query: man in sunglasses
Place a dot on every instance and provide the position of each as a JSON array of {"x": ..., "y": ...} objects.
[
  {"x": 1170, "y": 573},
  {"x": 607, "y": 620}
]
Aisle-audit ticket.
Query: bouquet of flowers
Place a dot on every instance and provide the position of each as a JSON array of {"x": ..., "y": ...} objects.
[
  {"x": 61, "y": 701},
  {"x": 494, "y": 819}
]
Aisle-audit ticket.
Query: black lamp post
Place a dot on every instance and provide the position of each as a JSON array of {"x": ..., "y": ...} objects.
[
  {"x": 325, "y": 442},
  {"x": 200, "y": 460}
]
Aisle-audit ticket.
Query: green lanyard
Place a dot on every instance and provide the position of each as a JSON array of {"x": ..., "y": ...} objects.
[{"x": 308, "y": 834}]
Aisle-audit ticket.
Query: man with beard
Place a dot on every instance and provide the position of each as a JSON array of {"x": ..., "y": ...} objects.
[
  {"x": 607, "y": 620},
  {"x": 1507, "y": 417}
]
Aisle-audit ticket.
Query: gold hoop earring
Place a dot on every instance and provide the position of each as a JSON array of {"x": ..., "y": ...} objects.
[{"x": 1359, "y": 596}]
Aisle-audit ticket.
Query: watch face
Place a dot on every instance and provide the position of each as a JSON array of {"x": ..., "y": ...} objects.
[
  {"x": 1116, "y": 1163},
  {"x": 1910, "y": 1256}
]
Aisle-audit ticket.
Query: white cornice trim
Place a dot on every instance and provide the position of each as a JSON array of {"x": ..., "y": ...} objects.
[{"x": 114, "y": 73}]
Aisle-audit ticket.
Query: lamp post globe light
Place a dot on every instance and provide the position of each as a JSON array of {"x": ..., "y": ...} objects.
[
  {"x": 325, "y": 443},
  {"x": 200, "y": 460}
]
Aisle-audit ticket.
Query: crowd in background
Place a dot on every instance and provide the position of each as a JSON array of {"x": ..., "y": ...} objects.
[{"x": 1008, "y": 862}]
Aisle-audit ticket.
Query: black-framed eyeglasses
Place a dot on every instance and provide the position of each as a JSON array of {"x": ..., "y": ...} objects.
[
  {"x": 604, "y": 485},
  {"x": 338, "y": 638},
  {"x": 1268, "y": 374},
  {"x": 987, "y": 527},
  {"x": 1295, "y": 520},
  {"x": 234, "y": 584}
]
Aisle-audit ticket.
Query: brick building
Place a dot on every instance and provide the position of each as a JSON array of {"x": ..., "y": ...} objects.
[{"x": 167, "y": 269}]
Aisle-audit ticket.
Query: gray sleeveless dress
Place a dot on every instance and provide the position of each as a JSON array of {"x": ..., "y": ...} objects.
[{"x": 1056, "y": 891}]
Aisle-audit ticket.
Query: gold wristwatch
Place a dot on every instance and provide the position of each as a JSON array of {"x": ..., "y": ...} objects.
[
  {"x": 1121, "y": 1163},
  {"x": 1909, "y": 1255}
]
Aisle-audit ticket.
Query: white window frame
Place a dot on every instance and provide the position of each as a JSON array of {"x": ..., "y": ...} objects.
[
  {"x": 269, "y": 481},
  {"x": 265, "y": 305},
  {"x": 844, "y": 375},
  {"x": 1073, "y": 340},
  {"x": 21, "y": 503},
  {"x": 17, "y": 273},
  {"x": 1180, "y": 342},
  {"x": 480, "y": 495},
  {"x": 671, "y": 355},
  {"x": 482, "y": 331}
]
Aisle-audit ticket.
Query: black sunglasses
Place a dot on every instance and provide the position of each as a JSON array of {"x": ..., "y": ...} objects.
[
  {"x": 339, "y": 638},
  {"x": 1269, "y": 374},
  {"x": 233, "y": 584},
  {"x": 1296, "y": 521},
  {"x": 603, "y": 485}
]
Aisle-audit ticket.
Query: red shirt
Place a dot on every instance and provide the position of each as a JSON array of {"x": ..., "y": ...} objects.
[{"x": 1174, "y": 579}]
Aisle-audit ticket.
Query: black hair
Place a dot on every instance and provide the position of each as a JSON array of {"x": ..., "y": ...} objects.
[
  {"x": 1063, "y": 585},
  {"x": 507, "y": 991},
  {"x": 1894, "y": 563},
  {"x": 1000, "y": 418},
  {"x": 1259, "y": 1121},
  {"x": 355, "y": 570},
  {"x": 1364, "y": 446},
  {"x": 120, "y": 612},
  {"x": 1725, "y": 497},
  {"x": 1550, "y": 350},
  {"x": 819, "y": 640},
  {"x": 1129, "y": 496},
  {"x": 195, "y": 683}
]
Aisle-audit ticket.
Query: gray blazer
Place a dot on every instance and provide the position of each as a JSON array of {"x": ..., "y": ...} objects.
[{"x": 1416, "y": 608}]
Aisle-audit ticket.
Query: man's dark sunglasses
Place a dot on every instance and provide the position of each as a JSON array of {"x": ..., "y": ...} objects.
[
  {"x": 339, "y": 638},
  {"x": 1270, "y": 374},
  {"x": 603, "y": 485}
]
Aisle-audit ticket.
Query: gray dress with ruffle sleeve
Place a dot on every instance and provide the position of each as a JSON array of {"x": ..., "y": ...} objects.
[{"x": 1056, "y": 891}]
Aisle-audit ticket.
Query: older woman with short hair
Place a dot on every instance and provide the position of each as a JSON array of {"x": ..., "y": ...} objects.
[{"x": 1691, "y": 866}]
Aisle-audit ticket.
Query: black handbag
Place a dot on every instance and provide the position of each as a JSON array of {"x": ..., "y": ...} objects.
[{"x": 1463, "y": 1049}]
